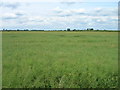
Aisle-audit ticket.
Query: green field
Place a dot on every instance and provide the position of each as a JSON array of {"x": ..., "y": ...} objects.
[{"x": 60, "y": 59}]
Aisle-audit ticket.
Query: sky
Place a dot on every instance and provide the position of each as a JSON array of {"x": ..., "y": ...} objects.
[{"x": 59, "y": 14}]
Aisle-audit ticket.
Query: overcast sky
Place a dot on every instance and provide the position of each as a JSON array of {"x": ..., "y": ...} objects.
[{"x": 58, "y": 14}]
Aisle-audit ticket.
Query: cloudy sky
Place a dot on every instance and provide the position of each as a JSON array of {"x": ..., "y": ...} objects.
[{"x": 58, "y": 14}]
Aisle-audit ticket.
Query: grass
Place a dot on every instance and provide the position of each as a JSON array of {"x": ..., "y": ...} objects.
[{"x": 60, "y": 59}]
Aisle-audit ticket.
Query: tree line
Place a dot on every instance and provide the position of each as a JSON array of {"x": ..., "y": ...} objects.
[{"x": 68, "y": 29}]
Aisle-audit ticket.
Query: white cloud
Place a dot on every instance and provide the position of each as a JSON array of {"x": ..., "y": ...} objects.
[
  {"x": 12, "y": 15},
  {"x": 73, "y": 21},
  {"x": 60, "y": 1},
  {"x": 58, "y": 10},
  {"x": 78, "y": 11},
  {"x": 70, "y": 2},
  {"x": 86, "y": 12},
  {"x": 9, "y": 16},
  {"x": 73, "y": 17},
  {"x": 63, "y": 22},
  {"x": 105, "y": 11},
  {"x": 12, "y": 5},
  {"x": 68, "y": 12}
]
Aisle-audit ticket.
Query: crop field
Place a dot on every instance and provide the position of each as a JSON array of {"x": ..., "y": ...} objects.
[{"x": 59, "y": 59}]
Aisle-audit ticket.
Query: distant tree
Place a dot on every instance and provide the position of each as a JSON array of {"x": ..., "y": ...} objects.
[
  {"x": 74, "y": 29},
  {"x": 18, "y": 30},
  {"x": 68, "y": 29},
  {"x": 26, "y": 30},
  {"x": 90, "y": 29}
]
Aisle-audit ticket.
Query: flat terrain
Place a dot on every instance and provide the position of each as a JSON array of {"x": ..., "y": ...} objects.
[{"x": 60, "y": 59}]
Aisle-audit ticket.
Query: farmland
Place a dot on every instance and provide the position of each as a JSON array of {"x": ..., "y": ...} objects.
[{"x": 60, "y": 59}]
